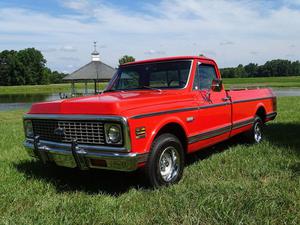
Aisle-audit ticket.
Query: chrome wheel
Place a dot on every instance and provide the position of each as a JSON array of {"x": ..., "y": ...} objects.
[
  {"x": 169, "y": 163},
  {"x": 257, "y": 133}
]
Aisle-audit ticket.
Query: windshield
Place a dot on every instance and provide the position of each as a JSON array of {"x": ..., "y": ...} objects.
[{"x": 161, "y": 75}]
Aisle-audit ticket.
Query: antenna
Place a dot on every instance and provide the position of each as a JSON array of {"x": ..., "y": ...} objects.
[
  {"x": 96, "y": 57},
  {"x": 95, "y": 46}
]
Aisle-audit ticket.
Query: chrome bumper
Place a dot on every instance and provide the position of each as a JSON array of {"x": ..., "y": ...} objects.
[{"x": 82, "y": 156}]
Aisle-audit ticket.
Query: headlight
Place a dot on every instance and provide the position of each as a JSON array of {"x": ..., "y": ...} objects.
[
  {"x": 113, "y": 133},
  {"x": 28, "y": 129}
]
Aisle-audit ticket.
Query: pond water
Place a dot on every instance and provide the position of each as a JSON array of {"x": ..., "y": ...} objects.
[
  {"x": 24, "y": 101},
  {"x": 287, "y": 92}
]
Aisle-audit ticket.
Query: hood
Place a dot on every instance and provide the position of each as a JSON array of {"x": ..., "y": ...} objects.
[{"x": 110, "y": 103}]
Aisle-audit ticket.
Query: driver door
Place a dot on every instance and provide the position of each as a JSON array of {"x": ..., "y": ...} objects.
[{"x": 214, "y": 114}]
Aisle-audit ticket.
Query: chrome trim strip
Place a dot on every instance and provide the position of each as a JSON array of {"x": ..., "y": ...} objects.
[
  {"x": 244, "y": 123},
  {"x": 164, "y": 112},
  {"x": 271, "y": 115},
  {"x": 104, "y": 118},
  {"x": 251, "y": 100},
  {"x": 178, "y": 110},
  {"x": 196, "y": 108},
  {"x": 220, "y": 131},
  {"x": 209, "y": 134},
  {"x": 73, "y": 117},
  {"x": 214, "y": 105},
  {"x": 90, "y": 148}
]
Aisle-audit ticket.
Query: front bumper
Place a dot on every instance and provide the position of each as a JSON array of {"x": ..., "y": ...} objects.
[{"x": 83, "y": 156}]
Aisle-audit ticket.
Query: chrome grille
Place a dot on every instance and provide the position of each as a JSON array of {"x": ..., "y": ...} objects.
[{"x": 84, "y": 132}]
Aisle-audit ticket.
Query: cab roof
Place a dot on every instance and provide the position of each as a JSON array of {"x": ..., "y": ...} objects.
[{"x": 173, "y": 58}]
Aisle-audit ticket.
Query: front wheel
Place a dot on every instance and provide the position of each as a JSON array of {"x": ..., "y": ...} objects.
[
  {"x": 255, "y": 135},
  {"x": 166, "y": 161}
]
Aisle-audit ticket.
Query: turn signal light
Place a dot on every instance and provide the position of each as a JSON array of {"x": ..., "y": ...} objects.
[{"x": 140, "y": 132}]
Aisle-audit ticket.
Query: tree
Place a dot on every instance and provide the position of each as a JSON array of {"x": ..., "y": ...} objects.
[
  {"x": 227, "y": 72},
  {"x": 126, "y": 59},
  {"x": 34, "y": 64},
  {"x": 240, "y": 71},
  {"x": 251, "y": 69},
  {"x": 295, "y": 70},
  {"x": 26, "y": 66},
  {"x": 4, "y": 69}
]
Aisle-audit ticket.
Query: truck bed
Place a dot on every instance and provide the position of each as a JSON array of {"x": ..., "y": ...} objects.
[{"x": 245, "y": 103}]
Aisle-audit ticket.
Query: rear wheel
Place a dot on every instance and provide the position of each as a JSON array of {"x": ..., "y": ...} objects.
[
  {"x": 166, "y": 161},
  {"x": 255, "y": 135}
]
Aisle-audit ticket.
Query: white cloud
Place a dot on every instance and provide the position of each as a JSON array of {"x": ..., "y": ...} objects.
[
  {"x": 226, "y": 30},
  {"x": 227, "y": 43},
  {"x": 76, "y": 4},
  {"x": 154, "y": 52},
  {"x": 48, "y": 50},
  {"x": 69, "y": 58},
  {"x": 68, "y": 48}
]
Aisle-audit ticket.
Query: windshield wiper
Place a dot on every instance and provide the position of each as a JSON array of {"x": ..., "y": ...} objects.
[
  {"x": 151, "y": 88},
  {"x": 110, "y": 90},
  {"x": 143, "y": 87}
]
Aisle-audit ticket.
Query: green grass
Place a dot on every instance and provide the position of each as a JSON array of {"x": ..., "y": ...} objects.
[
  {"x": 278, "y": 82},
  {"x": 45, "y": 89},
  {"x": 230, "y": 184}
]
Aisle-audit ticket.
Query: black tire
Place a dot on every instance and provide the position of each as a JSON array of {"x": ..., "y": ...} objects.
[
  {"x": 255, "y": 135},
  {"x": 163, "y": 168}
]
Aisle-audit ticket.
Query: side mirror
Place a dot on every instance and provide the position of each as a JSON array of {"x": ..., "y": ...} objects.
[{"x": 216, "y": 85}]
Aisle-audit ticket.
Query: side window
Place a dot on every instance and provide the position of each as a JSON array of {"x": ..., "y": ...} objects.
[{"x": 204, "y": 76}]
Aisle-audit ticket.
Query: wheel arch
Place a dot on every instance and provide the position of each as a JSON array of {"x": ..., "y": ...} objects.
[
  {"x": 261, "y": 112},
  {"x": 173, "y": 126}
]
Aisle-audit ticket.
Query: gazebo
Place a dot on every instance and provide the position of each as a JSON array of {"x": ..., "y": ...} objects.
[{"x": 95, "y": 71}]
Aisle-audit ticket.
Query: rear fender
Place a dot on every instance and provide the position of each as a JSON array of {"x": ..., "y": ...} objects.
[{"x": 258, "y": 106}]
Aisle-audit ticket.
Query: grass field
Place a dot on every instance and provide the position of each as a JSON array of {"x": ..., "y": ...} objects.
[
  {"x": 278, "y": 82},
  {"x": 230, "y": 184},
  {"x": 229, "y": 82},
  {"x": 45, "y": 89}
]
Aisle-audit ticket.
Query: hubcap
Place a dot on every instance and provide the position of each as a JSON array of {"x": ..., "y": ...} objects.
[
  {"x": 169, "y": 163},
  {"x": 257, "y": 133}
]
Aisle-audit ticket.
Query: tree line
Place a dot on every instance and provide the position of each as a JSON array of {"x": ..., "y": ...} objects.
[
  {"x": 28, "y": 66},
  {"x": 24, "y": 67},
  {"x": 273, "y": 68}
]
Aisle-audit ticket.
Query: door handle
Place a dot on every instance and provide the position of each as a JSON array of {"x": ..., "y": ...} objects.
[{"x": 226, "y": 99}]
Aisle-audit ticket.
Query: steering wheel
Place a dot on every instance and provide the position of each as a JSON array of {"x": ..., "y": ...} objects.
[
  {"x": 181, "y": 83},
  {"x": 170, "y": 81}
]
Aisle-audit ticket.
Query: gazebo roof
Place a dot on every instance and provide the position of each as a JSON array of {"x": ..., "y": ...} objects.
[{"x": 95, "y": 70}]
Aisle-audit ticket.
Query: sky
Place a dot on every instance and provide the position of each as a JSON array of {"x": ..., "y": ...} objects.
[{"x": 231, "y": 32}]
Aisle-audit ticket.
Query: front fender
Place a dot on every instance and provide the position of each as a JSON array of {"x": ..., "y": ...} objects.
[{"x": 162, "y": 123}]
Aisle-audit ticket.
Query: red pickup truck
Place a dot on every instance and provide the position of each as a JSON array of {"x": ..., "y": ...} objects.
[{"x": 151, "y": 115}]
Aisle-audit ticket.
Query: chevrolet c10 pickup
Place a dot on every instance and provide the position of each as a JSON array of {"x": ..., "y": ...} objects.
[{"x": 150, "y": 116}]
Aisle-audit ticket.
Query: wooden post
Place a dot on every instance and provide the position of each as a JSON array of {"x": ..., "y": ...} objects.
[
  {"x": 95, "y": 86},
  {"x": 73, "y": 88},
  {"x": 85, "y": 87}
]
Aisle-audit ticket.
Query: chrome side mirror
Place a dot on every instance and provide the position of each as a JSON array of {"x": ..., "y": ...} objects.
[{"x": 217, "y": 85}]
